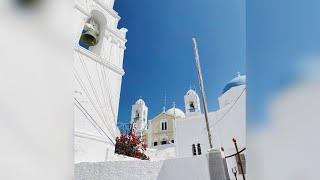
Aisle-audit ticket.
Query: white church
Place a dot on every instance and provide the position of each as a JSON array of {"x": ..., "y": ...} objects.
[
  {"x": 98, "y": 71},
  {"x": 186, "y": 130}
]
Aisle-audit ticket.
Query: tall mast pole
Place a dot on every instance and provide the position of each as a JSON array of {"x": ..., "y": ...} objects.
[{"x": 203, "y": 96}]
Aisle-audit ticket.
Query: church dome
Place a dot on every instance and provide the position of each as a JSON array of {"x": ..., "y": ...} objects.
[
  {"x": 140, "y": 101},
  {"x": 176, "y": 112},
  {"x": 191, "y": 91},
  {"x": 237, "y": 81}
]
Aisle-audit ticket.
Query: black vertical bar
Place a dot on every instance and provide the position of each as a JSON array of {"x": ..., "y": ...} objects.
[{"x": 239, "y": 159}]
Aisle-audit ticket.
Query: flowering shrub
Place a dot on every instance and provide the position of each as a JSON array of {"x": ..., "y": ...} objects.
[{"x": 131, "y": 145}]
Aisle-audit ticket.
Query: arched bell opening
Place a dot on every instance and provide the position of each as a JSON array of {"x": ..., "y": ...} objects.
[
  {"x": 93, "y": 32},
  {"x": 192, "y": 107},
  {"x": 136, "y": 116},
  {"x": 90, "y": 34}
]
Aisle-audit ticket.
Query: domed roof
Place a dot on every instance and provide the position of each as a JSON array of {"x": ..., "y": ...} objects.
[
  {"x": 176, "y": 112},
  {"x": 140, "y": 101},
  {"x": 191, "y": 91},
  {"x": 237, "y": 81}
]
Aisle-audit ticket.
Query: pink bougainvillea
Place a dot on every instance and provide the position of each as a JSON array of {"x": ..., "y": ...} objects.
[{"x": 131, "y": 145}]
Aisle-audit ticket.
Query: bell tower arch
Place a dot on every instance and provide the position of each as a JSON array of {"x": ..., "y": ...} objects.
[
  {"x": 139, "y": 116},
  {"x": 98, "y": 71},
  {"x": 192, "y": 103}
]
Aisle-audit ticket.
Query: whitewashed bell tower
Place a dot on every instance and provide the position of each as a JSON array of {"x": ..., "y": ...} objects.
[
  {"x": 139, "y": 116},
  {"x": 192, "y": 103},
  {"x": 98, "y": 70}
]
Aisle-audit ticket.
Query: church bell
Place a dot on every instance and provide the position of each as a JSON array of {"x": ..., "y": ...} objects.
[{"x": 90, "y": 33}]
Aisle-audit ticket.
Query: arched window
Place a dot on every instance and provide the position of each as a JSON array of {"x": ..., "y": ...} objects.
[
  {"x": 164, "y": 125},
  {"x": 199, "y": 148},
  {"x": 194, "y": 151}
]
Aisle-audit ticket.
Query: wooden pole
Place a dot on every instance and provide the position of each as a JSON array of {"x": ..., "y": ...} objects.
[{"x": 204, "y": 103}]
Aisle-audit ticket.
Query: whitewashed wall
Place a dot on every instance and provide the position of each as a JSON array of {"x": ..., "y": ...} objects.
[
  {"x": 98, "y": 76},
  {"x": 191, "y": 168},
  {"x": 225, "y": 124}
]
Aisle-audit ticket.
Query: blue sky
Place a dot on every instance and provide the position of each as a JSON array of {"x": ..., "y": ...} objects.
[
  {"x": 159, "y": 54},
  {"x": 280, "y": 36}
]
